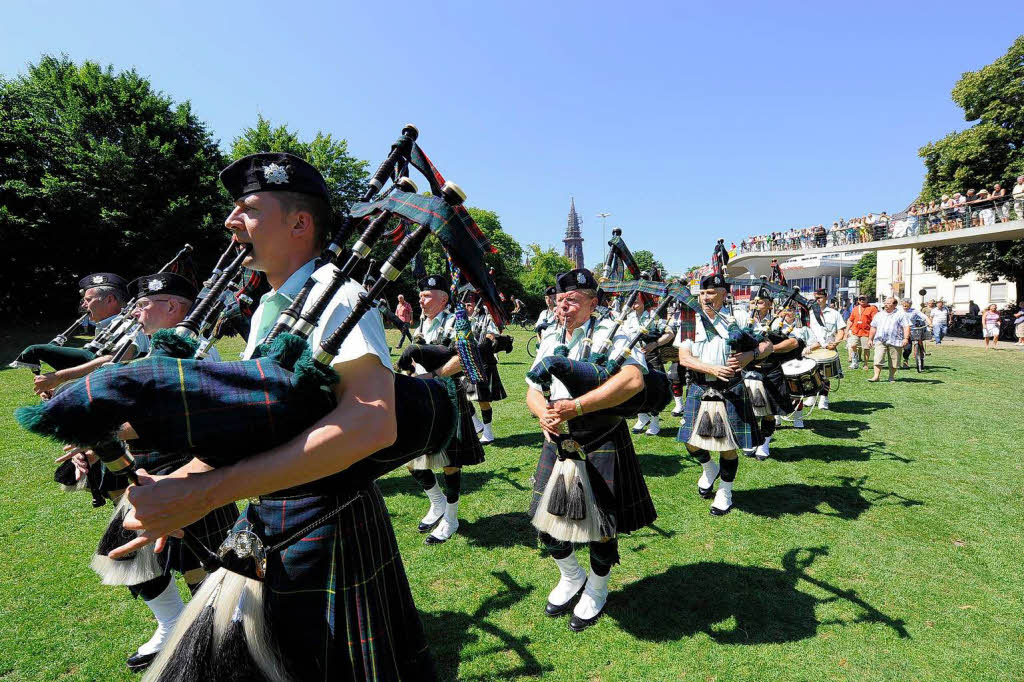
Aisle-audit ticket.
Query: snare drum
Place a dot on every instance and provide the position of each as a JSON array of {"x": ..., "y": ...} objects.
[
  {"x": 919, "y": 333},
  {"x": 802, "y": 377},
  {"x": 828, "y": 362}
]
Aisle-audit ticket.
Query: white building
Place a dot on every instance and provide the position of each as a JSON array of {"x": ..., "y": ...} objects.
[{"x": 901, "y": 273}]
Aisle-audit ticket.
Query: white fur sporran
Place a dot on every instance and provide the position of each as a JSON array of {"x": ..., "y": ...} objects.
[
  {"x": 566, "y": 472},
  {"x": 719, "y": 438},
  {"x": 436, "y": 460},
  {"x": 758, "y": 397},
  {"x": 232, "y": 599},
  {"x": 141, "y": 567}
]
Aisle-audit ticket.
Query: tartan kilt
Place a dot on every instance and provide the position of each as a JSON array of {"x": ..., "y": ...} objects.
[
  {"x": 210, "y": 530},
  {"x": 741, "y": 414},
  {"x": 337, "y": 601},
  {"x": 614, "y": 471}
]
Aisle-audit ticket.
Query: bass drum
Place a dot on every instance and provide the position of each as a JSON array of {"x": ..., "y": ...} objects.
[
  {"x": 802, "y": 378},
  {"x": 827, "y": 361}
]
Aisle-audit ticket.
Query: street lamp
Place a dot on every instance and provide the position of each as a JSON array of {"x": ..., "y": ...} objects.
[{"x": 604, "y": 240}]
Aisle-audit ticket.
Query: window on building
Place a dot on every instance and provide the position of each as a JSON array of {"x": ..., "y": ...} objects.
[
  {"x": 961, "y": 293},
  {"x": 930, "y": 293},
  {"x": 997, "y": 292},
  {"x": 929, "y": 268}
]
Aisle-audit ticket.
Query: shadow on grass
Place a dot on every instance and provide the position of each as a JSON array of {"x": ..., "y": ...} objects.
[
  {"x": 824, "y": 452},
  {"x": 847, "y": 501},
  {"x": 765, "y": 603},
  {"x": 500, "y": 530},
  {"x": 841, "y": 406},
  {"x": 448, "y": 632},
  {"x": 915, "y": 380},
  {"x": 835, "y": 428},
  {"x": 528, "y": 439}
]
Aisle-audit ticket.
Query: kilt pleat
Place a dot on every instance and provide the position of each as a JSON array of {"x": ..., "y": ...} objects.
[
  {"x": 619, "y": 487},
  {"x": 338, "y": 600},
  {"x": 742, "y": 421},
  {"x": 490, "y": 390},
  {"x": 465, "y": 448}
]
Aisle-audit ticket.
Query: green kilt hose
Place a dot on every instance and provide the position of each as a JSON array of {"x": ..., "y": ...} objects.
[
  {"x": 340, "y": 588},
  {"x": 744, "y": 425},
  {"x": 620, "y": 491}
]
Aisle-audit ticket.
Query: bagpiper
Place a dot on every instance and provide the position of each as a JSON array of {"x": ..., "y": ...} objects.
[
  {"x": 717, "y": 414},
  {"x": 587, "y": 459}
]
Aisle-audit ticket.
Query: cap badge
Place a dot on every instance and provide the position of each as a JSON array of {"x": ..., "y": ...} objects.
[
  {"x": 581, "y": 278},
  {"x": 432, "y": 282},
  {"x": 99, "y": 279},
  {"x": 155, "y": 284},
  {"x": 275, "y": 175}
]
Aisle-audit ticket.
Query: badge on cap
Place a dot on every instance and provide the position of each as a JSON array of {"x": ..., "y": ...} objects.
[
  {"x": 581, "y": 278},
  {"x": 432, "y": 282},
  {"x": 275, "y": 175},
  {"x": 98, "y": 279},
  {"x": 155, "y": 284}
]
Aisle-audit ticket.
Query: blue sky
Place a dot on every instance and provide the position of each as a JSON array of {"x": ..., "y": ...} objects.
[{"x": 686, "y": 122}]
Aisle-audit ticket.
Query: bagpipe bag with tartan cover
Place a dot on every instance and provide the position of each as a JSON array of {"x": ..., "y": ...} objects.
[{"x": 222, "y": 412}]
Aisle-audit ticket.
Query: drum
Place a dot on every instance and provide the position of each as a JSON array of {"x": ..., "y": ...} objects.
[
  {"x": 828, "y": 362},
  {"x": 802, "y": 377},
  {"x": 919, "y": 333}
]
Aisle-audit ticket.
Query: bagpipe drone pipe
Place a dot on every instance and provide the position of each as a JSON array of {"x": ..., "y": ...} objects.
[{"x": 222, "y": 412}]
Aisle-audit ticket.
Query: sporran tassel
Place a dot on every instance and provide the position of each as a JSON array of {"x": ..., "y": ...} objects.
[
  {"x": 577, "y": 507},
  {"x": 704, "y": 424},
  {"x": 558, "y": 504},
  {"x": 138, "y": 567},
  {"x": 718, "y": 429}
]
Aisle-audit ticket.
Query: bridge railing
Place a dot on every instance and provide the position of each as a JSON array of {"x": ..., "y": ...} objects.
[{"x": 972, "y": 214}]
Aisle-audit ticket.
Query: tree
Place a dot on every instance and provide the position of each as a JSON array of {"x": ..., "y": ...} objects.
[
  {"x": 544, "y": 266},
  {"x": 645, "y": 260},
  {"x": 866, "y": 273},
  {"x": 346, "y": 176},
  {"x": 98, "y": 172},
  {"x": 990, "y": 151}
]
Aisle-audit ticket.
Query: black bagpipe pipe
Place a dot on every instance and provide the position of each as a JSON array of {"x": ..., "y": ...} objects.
[
  {"x": 222, "y": 412},
  {"x": 62, "y": 338}
]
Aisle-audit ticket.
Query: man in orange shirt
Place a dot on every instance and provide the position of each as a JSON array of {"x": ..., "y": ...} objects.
[{"x": 859, "y": 323}]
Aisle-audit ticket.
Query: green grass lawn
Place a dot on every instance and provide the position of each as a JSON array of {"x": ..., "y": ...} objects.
[{"x": 881, "y": 542}]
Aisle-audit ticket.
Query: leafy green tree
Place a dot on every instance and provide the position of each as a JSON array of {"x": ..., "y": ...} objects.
[
  {"x": 98, "y": 172},
  {"x": 544, "y": 266},
  {"x": 645, "y": 260},
  {"x": 866, "y": 273},
  {"x": 346, "y": 176},
  {"x": 990, "y": 151}
]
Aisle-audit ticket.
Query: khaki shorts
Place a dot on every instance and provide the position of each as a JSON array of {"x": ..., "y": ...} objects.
[
  {"x": 893, "y": 353},
  {"x": 858, "y": 342}
]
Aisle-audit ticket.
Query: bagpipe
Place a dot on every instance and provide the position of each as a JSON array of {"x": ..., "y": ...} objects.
[
  {"x": 115, "y": 337},
  {"x": 222, "y": 412}
]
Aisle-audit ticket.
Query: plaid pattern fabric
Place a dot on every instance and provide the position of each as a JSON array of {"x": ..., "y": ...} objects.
[
  {"x": 338, "y": 601},
  {"x": 775, "y": 388},
  {"x": 615, "y": 476},
  {"x": 741, "y": 415}
]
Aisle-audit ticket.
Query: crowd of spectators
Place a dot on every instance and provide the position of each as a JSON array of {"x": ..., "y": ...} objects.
[{"x": 950, "y": 212}]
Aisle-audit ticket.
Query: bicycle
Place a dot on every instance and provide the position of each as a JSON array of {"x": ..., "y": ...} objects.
[
  {"x": 531, "y": 346},
  {"x": 521, "y": 320}
]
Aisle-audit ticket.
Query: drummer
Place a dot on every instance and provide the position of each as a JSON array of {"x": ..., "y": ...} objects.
[
  {"x": 828, "y": 331},
  {"x": 789, "y": 324}
]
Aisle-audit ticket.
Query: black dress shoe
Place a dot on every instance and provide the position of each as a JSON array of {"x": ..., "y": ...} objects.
[
  {"x": 138, "y": 662},
  {"x": 577, "y": 624},
  {"x": 678, "y": 413},
  {"x": 555, "y": 611},
  {"x": 427, "y": 527},
  {"x": 715, "y": 511},
  {"x": 707, "y": 493}
]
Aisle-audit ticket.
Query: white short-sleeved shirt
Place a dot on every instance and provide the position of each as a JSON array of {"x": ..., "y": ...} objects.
[
  {"x": 546, "y": 317},
  {"x": 827, "y": 332},
  {"x": 105, "y": 322},
  {"x": 576, "y": 346},
  {"x": 367, "y": 338},
  {"x": 437, "y": 329},
  {"x": 712, "y": 349}
]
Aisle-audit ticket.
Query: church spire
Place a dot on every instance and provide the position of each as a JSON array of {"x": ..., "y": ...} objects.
[{"x": 574, "y": 236}]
